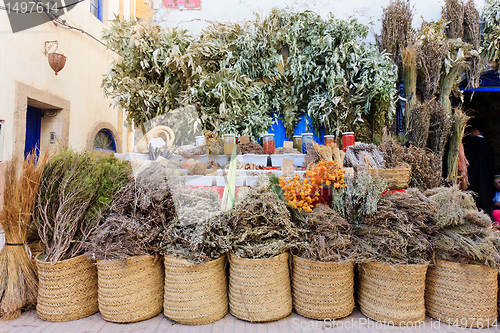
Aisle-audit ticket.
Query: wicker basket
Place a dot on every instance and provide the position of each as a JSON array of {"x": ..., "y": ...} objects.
[
  {"x": 392, "y": 294},
  {"x": 322, "y": 290},
  {"x": 130, "y": 290},
  {"x": 397, "y": 179},
  {"x": 67, "y": 290},
  {"x": 464, "y": 295},
  {"x": 259, "y": 289},
  {"x": 195, "y": 294}
]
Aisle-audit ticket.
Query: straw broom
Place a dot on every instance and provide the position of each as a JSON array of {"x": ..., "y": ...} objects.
[{"x": 18, "y": 280}]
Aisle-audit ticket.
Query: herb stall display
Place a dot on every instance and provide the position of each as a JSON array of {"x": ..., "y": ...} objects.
[
  {"x": 74, "y": 196},
  {"x": 194, "y": 246},
  {"x": 393, "y": 246},
  {"x": 462, "y": 287},
  {"x": 18, "y": 277},
  {"x": 130, "y": 274},
  {"x": 323, "y": 268},
  {"x": 261, "y": 233},
  {"x": 491, "y": 37}
]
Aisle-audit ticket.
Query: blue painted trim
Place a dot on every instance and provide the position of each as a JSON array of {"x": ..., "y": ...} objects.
[
  {"x": 108, "y": 132},
  {"x": 482, "y": 89}
]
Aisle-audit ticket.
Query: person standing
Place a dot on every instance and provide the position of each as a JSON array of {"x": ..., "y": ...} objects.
[{"x": 481, "y": 168}]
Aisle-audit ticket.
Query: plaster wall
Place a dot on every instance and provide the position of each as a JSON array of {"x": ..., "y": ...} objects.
[{"x": 367, "y": 12}]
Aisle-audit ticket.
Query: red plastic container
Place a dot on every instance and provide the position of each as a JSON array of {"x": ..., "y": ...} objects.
[{"x": 347, "y": 140}]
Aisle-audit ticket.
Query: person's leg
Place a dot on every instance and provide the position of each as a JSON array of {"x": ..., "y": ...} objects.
[{"x": 496, "y": 215}]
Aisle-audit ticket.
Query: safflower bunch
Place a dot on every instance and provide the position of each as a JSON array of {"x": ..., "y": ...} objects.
[{"x": 303, "y": 193}]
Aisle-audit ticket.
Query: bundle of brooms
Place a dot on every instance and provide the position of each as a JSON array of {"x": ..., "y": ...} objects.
[
  {"x": 260, "y": 224},
  {"x": 400, "y": 231},
  {"x": 465, "y": 234},
  {"x": 18, "y": 280}
]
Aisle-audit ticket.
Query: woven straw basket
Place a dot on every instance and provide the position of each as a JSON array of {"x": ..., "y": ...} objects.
[
  {"x": 397, "y": 179},
  {"x": 259, "y": 289},
  {"x": 67, "y": 290},
  {"x": 195, "y": 294},
  {"x": 130, "y": 290},
  {"x": 464, "y": 295},
  {"x": 322, "y": 290},
  {"x": 392, "y": 294}
]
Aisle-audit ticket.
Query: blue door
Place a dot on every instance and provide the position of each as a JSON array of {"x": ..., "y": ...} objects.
[{"x": 33, "y": 127}]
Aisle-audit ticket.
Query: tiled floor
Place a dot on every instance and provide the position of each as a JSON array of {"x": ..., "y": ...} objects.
[{"x": 356, "y": 322}]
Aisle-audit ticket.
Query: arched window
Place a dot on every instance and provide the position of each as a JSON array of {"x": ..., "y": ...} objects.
[{"x": 104, "y": 140}]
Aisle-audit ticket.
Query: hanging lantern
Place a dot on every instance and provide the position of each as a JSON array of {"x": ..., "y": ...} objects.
[{"x": 56, "y": 60}]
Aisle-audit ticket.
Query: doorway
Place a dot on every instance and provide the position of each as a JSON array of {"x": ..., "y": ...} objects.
[{"x": 33, "y": 130}]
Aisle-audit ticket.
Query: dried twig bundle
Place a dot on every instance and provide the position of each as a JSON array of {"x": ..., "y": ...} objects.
[
  {"x": 397, "y": 32},
  {"x": 452, "y": 205},
  {"x": 399, "y": 232},
  {"x": 260, "y": 224},
  {"x": 409, "y": 56},
  {"x": 74, "y": 197},
  {"x": 460, "y": 120},
  {"x": 453, "y": 13},
  {"x": 440, "y": 128},
  {"x": 325, "y": 235},
  {"x": 425, "y": 165},
  {"x": 418, "y": 126},
  {"x": 18, "y": 280},
  {"x": 141, "y": 210},
  {"x": 472, "y": 35}
]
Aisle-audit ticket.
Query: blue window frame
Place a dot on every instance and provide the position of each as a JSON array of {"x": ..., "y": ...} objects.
[
  {"x": 105, "y": 141},
  {"x": 96, "y": 8}
]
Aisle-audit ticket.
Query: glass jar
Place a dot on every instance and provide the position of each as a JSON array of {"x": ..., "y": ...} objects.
[
  {"x": 200, "y": 140},
  {"x": 347, "y": 140},
  {"x": 268, "y": 143},
  {"x": 329, "y": 139},
  {"x": 297, "y": 142},
  {"x": 228, "y": 143},
  {"x": 307, "y": 142}
]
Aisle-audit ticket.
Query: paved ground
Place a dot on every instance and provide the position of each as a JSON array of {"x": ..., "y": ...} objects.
[{"x": 356, "y": 322}]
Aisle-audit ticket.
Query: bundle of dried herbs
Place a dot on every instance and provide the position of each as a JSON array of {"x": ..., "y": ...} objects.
[
  {"x": 260, "y": 224},
  {"x": 401, "y": 231},
  {"x": 358, "y": 155},
  {"x": 251, "y": 148},
  {"x": 425, "y": 165},
  {"x": 325, "y": 235},
  {"x": 359, "y": 197},
  {"x": 465, "y": 234},
  {"x": 74, "y": 198},
  {"x": 18, "y": 281},
  {"x": 440, "y": 128},
  {"x": 198, "y": 232},
  {"x": 418, "y": 125}
]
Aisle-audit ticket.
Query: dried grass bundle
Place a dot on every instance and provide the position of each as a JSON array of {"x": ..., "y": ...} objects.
[
  {"x": 400, "y": 231},
  {"x": 260, "y": 224},
  {"x": 397, "y": 32},
  {"x": 453, "y": 13},
  {"x": 18, "y": 280},
  {"x": 440, "y": 128},
  {"x": 465, "y": 234},
  {"x": 460, "y": 120},
  {"x": 358, "y": 155},
  {"x": 432, "y": 49},
  {"x": 452, "y": 205},
  {"x": 409, "y": 56},
  {"x": 141, "y": 210},
  {"x": 251, "y": 148},
  {"x": 317, "y": 152},
  {"x": 325, "y": 236},
  {"x": 419, "y": 123},
  {"x": 425, "y": 165}
]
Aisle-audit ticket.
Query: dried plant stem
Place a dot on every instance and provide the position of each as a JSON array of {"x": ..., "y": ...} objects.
[
  {"x": 18, "y": 280},
  {"x": 459, "y": 123},
  {"x": 410, "y": 79}
]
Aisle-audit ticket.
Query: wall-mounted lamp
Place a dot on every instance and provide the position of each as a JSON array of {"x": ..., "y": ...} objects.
[{"x": 56, "y": 60}]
